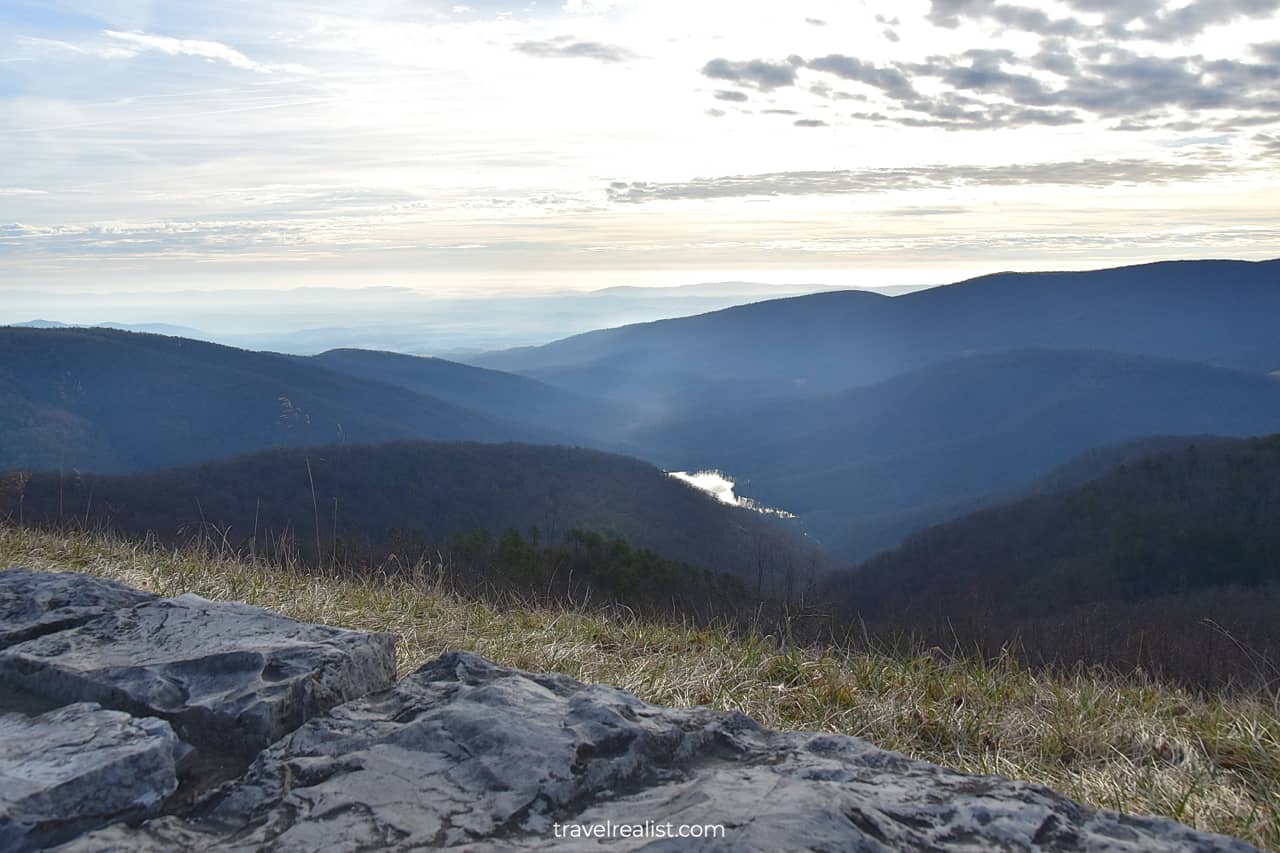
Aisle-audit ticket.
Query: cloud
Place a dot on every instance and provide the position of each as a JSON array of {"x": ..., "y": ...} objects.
[
  {"x": 1117, "y": 84},
  {"x": 20, "y": 192},
  {"x": 816, "y": 22},
  {"x": 1197, "y": 16},
  {"x": 810, "y": 122},
  {"x": 187, "y": 239},
  {"x": 134, "y": 43},
  {"x": 1268, "y": 52},
  {"x": 758, "y": 73},
  {"x": 1055, "y": 56},
  {"x": 1123, "y": 20},
  {"x": 1083, "y": 173},
  {"x": 889, "y": 80},
  {"x": 567, "y": 47},
  {"x": 730, "y": 95},
  {"x": 953, "y": 210},
  {"x": 950, "y": 13},
  {"x": 987, "y": 89}
]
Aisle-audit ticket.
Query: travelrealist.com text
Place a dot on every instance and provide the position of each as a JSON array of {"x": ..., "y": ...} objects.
[{"x": 648, "y": 829}]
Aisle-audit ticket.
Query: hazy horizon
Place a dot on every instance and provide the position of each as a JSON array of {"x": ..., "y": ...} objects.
[{"x": 304, "y": 321}]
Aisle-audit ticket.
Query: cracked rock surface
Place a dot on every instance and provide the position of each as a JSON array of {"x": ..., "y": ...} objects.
[
  {"x": 36, "y": 603},
  {"x": 79, "y": 768},
  {"x": 230, "y": 678},
  {"x": 467, "y": 754}
]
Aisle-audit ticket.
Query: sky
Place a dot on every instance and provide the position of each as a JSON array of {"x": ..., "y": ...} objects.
[{"x": 466, "y": 149}]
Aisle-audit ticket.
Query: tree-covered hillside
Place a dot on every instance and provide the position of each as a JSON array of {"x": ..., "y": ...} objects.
[
  {"x": 866, "y": 465},
  {"x": 507, "y": 396},
  {"x": 1138, "y": 556},
  {"x": 104, "y": 400},
  {"x": 403, "y": 496}
]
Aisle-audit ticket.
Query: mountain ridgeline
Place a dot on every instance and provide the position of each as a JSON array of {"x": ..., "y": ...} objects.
[
  {"x": 871, "y": 417},
  {"x": 1017, "y": 411},
  {"x": 492, "y": 393},
  {"x": 1216, "y": 312},
  {"x": 110, "y": 401}
]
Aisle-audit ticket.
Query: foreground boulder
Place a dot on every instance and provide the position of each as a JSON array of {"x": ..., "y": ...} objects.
[
  {"x": 230, "y": 678},
  {"x": 464, "y": 753},
  {"x": 79, "y": 768},
  {"x": 37, "y": 603}
]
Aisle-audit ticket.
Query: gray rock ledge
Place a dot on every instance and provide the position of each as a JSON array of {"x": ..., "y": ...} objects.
[
  {"x": 467, "y": 754},
  {"x": 79, "y": 768},
  {"x": 36, "y": 603},
  {"x": 230, "y": 678}
]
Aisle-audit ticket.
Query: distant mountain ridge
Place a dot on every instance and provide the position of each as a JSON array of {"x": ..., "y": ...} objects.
[
  {"x": 1216, "y": 312},
  {"x": 488, "y": 392},
  {"x": 309, "y": 320},
  {"x": 868, "y": 416},
  {"x": 40, "y": 324},
  {"x": 110, "y": 401},
  {"x": 150, "y": 328}
]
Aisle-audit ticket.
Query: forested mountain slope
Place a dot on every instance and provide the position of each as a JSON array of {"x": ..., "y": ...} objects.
[
  {"x": 1217, "y": 312},
  {"x": 493, "y": 393},
  {"x": 858, "y": 466},
  {"x": 1147, "y": 560},
  {"x": 398, "y": 496},
  {"x": 105, "y": 400}
]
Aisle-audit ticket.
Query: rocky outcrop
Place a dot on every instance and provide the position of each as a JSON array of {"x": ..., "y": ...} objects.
[
  {"x": 228, "y": 677},
  {"x": 79, "y": 768},
  {"x": 36, "y": 603},
  {"x": 466, "y": 754}
]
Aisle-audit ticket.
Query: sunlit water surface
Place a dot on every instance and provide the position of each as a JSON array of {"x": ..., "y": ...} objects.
[{"x": 718, "y": 484}]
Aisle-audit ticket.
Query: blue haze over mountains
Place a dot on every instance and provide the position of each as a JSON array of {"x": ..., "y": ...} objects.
[
  {"x": 306, "y": 321},
  {"x": 868, "y": 416}
]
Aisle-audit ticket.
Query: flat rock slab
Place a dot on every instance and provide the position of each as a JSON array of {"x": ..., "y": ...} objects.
[
  {"x": 79, "y": 768},
  {"x": 37, "y": 603},
  {"x": 467, "y": 754},
  {"x": 230, "y": 678}
]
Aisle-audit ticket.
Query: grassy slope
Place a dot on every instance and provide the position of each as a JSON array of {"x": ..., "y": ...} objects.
[{"x": 1117, "y": 742}]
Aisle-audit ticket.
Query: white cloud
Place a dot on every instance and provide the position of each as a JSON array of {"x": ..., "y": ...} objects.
[{"x": 136, "y": 43}]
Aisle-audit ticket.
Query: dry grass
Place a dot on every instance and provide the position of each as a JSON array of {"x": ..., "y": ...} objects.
[{"x": 1119, "y": 742}]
